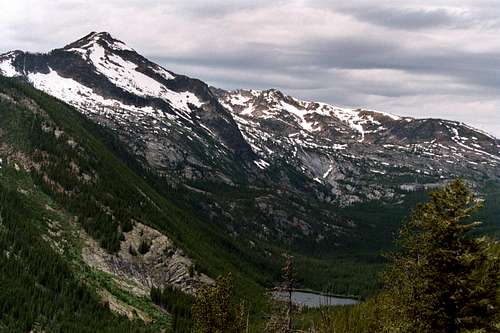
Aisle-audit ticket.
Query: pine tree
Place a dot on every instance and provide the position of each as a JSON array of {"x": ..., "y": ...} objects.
[
  {"x": 288, "y": 286},
  {"x": 281, "y": 318},
  {"x": 442, "y": 279},
  {"x": 215, "y": 311}
]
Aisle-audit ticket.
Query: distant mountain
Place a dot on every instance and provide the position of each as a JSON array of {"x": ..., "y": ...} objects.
[
  {"x": 144, "y": 178},
  {"x": 344, "y": 147},
  {"x": 266, "y": 166}
]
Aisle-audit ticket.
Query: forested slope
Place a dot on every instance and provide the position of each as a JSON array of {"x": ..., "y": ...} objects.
[{"x": 58, "y": 180}]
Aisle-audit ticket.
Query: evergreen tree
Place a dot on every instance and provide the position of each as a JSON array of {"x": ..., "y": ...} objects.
[
  {"x": 442, "y": 279},
  {"x": 214, "y": 310},
  {"x": 281, "y": 318}
]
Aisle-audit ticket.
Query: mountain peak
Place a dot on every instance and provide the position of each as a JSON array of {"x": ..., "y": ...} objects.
[
  {"x": 103, "y": 38},
  {"x": 102, "y": 34}
]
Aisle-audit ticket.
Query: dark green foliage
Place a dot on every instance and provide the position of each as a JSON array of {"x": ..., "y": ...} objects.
[
  {"x": 215, "y": 309},
  {"x": 360, "y": 318},
  {"x": 120, "y": 192},
  {"x": 108, "y": 204},
  {"x": 490, "y": 213},
  {"x": 118, "y": 196},
  {"x": 191, "y": 270},
  {"x": 76, "y": 175},
  {"x": 348, "y": 275},
  {"x": 178, "y": 304},
  {"x": 38, "y": 288},
  {"x": 441, "y": 279},
  {"x": 144, "y": 246}
]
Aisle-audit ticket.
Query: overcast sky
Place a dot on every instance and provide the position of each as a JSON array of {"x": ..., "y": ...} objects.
[{"x": 438, "y": 58}]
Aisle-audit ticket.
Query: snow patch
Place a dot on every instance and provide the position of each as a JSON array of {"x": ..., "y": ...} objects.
[
  {"x": 124, "y": 74},
  {"x": 327, "y": 173},
  {"x": 80, "y": 96},
  {"x": 6, "y": 67},
  {"x": 261, "y": 163}
]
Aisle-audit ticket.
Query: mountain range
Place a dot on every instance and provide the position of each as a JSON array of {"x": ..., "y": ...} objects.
[
  {"x": 265, "y": 171},
  {"x": 279, "y": 148}
]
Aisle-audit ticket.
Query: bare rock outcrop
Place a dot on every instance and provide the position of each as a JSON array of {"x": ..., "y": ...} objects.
[{"x": 147, "y": 258}]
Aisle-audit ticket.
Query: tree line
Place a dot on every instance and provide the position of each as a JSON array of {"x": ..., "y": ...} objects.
[{"x": 441, "y": 278}]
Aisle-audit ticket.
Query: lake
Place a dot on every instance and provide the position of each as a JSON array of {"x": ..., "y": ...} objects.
[{"x": 313, "y": 300}]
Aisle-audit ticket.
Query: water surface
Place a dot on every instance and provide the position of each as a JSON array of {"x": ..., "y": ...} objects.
[{"x": 314, "y": 300}]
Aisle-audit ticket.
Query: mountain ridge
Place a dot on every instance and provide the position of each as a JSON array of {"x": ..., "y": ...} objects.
[
  {"x": 136, "y": 158},
  {"x": 278, "y": 149}
]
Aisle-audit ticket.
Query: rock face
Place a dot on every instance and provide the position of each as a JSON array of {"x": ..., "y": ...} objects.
[
  {"x": 348, "y": 149},
  {"x": 148, "y": 259},
  {"x": 263, "y": 164},
  {"x": 161, "y": 115}
]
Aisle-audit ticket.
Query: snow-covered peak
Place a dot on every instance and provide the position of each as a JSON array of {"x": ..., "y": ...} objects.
[
  {"x": 120, "y": 64},
  {"x": 104, "y": 39},
  {"x": 176, "y": 124},
  {"x": 309, "y": 116},
  {"x": 105, "y": 64}
]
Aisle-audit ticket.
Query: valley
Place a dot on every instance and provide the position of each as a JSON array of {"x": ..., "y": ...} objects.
[{"x": 132, "y": 178}]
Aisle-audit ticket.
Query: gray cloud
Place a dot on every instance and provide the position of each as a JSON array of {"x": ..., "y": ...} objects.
[
  {"x": 437, "y": 58},
  {"x": 408, "y": 18}
]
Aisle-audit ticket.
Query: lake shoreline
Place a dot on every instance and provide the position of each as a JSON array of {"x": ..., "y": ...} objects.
[
  {"x": 314, "y": 299},
  {"x": 321, "y": 293}
]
